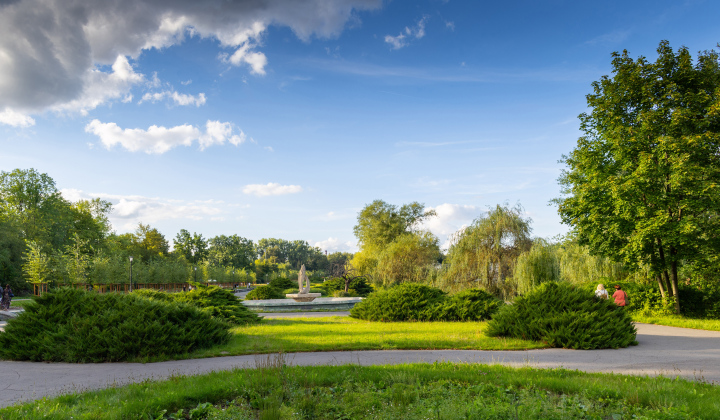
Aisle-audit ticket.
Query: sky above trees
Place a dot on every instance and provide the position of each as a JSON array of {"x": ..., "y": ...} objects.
[{"x": 285, "y": 118}]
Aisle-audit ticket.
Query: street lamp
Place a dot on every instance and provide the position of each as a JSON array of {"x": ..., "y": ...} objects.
[
  {"x": 131, "y": 260},
  {"x": 195, "y": 274}
]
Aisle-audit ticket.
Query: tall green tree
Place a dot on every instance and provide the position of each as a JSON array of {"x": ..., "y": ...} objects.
[
  {"x": 642, "y": 185},
  {"x": 233, "y": 251},
  {"x": 194, "y": 248},
  {"x": 380, "y": 223}
]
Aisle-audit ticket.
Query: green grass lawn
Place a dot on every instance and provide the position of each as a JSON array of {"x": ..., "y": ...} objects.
[
  {"x": 412, "y": 391},
  {"x": 343, "y": 333},
  {"x": 679, "y": 321}
]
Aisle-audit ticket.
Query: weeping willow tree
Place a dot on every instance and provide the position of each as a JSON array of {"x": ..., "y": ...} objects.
[
  {"x": 577, "y": 265},
  {"x": 540, "y": 264},
  {"x": 484, "y": 254}
]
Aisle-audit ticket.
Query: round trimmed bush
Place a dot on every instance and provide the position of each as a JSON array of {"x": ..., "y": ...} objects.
[
  {"x": 404, "y": 302},
  {"x": 68, "y": 325},
  {"x": 564, "y": 316},
  {"x": 264, "y": 292},
  {"x": 281, "y": 283}
]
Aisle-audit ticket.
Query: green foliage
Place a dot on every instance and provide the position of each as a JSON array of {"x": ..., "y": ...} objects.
[
  {"x": 37, "y": 264},
  {"x": 467, "y": 305},
  {"x": 264, "y": 292},
  {"x": 282, "y": 283},
  {"x": 380, "y": 223},
  {"x": 294, "y": 253},
  {"x": 538, "y": 265},
  {"x": 564, "y": 316},
  {"x": 417, "y": 302},
  {"x": 487, "y": 250},
  {"x": 68, "y": 325},
  {"x": 408, "y": 258},
  {"x": 218, "y": 303},
  {"x": 232, "y": 251},
  {"x": 359, "y": 285},
  {"x": 642, "y": 185}
]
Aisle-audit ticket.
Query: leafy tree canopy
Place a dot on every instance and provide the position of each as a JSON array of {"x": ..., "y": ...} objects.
[{"x": 642, "y": 185}]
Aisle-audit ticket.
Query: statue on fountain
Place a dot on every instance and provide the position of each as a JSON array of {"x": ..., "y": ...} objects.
[{"x": 303, "y": 294}]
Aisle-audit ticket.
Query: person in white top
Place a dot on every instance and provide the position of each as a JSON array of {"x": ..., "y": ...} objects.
[{"x": 601, "y": 292}]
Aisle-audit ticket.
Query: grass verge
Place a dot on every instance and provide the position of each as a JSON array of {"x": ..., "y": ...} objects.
[
  {"x": 679, "y": 321},
  {"x": 337, "y": 333},
  {"x": 410, "y": 391}
]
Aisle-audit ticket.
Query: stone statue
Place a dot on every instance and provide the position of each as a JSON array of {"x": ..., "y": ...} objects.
[
  {"x": 303, "y": 294},
  {"x": 303, "y": 278}
]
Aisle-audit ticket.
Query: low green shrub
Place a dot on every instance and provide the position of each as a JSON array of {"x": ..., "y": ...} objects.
[
  {"x": 404, "y": 302},
  {"x": 264, "y": 292},
  {"x": 217, "y": 302},
  {"x": 360, "y": 285},
  {"x": 564, "y": 316},
  {"x": 68, "y": 325},
  {"x": 282, "y": 283},
  {"x": 289, "y": 291},
  {"x": 467, "y": 305}
]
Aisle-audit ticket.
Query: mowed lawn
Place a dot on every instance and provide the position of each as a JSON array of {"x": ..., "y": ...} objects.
[{"x": 343, "y": 333}]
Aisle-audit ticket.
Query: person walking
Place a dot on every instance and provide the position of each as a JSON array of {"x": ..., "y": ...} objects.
[
  {"x": 600, "y": 292},
  {"x": 6, "y": 297},
  {"x": 620, "y": 296}
]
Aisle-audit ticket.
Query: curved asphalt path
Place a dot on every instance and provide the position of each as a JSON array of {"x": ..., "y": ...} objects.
[{"x": 668, "y": 351}]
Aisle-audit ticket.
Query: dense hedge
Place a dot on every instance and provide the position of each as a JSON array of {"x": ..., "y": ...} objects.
[
  {"x": 264, "y": 292},
  {"x": 68, "y": 325},
  {"x": 417, "y": 302},
  {"x": 359, "y": 285},
  {"x": 564, "y": 316},
  {"x": 215, "y": 301},
  {"x": 282, "y": 283}
]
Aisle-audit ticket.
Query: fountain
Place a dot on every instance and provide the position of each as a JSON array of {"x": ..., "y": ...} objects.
[{"x": 303, "y": 294}]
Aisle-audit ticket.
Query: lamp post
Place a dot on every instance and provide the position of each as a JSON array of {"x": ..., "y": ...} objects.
[
  {"x": 195, "y": 273},
  {"x": 131, "y": 260}
]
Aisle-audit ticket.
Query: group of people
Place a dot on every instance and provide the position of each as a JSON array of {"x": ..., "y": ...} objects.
[
  {"x": 620, "y": 296},
  {"x": 7, "y": 296}
]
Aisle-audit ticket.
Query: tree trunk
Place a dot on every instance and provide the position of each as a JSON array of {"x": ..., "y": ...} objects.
[
  {"x": 673, "y": 272},
  {"x": 347, "y": 284},
  {"x": 664, "y": 264},
  {"x": 660, "y": 283},
  {"x": 666, "y": 282}
]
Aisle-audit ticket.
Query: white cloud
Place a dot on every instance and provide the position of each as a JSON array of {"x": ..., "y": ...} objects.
[
  {"x": 178, "y": 98},
  {"x": 272, "y": 188},
  {"x": 451, "y": 218},
  {"x": 403, "y": 39},
  {"x": 159, "y": 140},
  {"x": 53, "y": 56},
  {"x": 129, "y": 210},
  {"x": 15, "y": 119},
  {"x": 100, "y": 87},
  {"x": 336, "y": 245}
]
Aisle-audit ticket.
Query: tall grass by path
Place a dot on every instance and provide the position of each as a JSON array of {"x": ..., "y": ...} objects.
[
  {"x": 440, "y": 390},
  {"x": 344, "y": 334},
  {"x": 679, "y": 321}
]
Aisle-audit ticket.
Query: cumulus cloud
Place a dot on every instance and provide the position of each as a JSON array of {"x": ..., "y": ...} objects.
[
  {"x": 272, "y": 188},
  {"x": 179, "y": 98},
  {"x": 158, "y": 140},
  {"x": 336, "y": 245},
  {"x": 403, "y": 39},
  {"x": 54, "y": 55},
  {"x": 450, "y": 219},
  {"x": 129, "y": 210},
  {"x": 15, "y": 119}
]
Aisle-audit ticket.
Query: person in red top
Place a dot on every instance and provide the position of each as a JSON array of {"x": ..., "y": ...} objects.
[{"x": 620, "y": 296}]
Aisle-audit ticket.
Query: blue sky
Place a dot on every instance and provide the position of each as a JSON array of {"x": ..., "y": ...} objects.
[{"x": 284, "y": 118}]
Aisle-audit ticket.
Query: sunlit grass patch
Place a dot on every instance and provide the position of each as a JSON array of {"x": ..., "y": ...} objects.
[
  {"x": 343, "y": 333},
  {"x": 679, "y": 321}
]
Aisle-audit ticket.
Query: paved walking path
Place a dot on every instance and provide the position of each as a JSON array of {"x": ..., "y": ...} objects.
[{"x": 669, "y": 351}]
